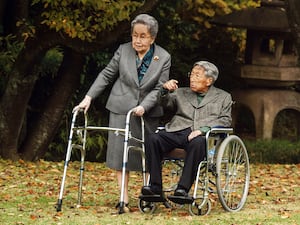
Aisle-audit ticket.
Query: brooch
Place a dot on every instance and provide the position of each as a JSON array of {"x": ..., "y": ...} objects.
[{"x": 156, "y": 58}]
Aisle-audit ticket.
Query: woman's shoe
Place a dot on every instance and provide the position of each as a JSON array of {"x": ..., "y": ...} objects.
[{"x": 126, "y": 208}]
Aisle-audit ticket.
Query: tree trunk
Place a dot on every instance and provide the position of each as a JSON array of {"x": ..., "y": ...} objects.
[
  {"x": 12, "y": 113},
  {"x": 13, "y": 102},
  {"x": 45, "y": 127}
]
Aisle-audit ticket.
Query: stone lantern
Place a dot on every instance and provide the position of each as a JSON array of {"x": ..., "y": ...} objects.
[{"x": 270, "y": 65}]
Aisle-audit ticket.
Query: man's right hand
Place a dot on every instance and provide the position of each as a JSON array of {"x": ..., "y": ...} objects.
[{"x": 171, "y": 85}]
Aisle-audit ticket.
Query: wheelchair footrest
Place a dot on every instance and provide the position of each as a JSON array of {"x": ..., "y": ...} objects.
[
  {"x": 152, "y": 198},
  {"x": 181, "y": 199}
]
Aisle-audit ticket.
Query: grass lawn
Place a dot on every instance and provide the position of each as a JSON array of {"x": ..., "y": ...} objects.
[{"x": 29, "y": 193}]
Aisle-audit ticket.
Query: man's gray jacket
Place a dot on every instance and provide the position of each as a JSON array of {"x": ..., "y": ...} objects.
[{"x": 214, "y": 109}]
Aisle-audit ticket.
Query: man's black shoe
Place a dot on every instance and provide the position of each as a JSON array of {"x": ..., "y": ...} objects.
[
  {"x": 181, "y": 197},
  {"x": 181, "y": 192},
  {"x": 150, "y": 194},
  {"x": 149, "y": 190}
]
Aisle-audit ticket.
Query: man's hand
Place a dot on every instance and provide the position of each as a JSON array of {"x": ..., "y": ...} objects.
[
  {"x": 194, "y": 134},
  {"x": 171, "y": 85}
]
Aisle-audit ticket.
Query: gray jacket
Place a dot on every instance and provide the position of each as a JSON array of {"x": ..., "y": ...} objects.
[
  {"x": 214, "y": 110},
  {"x": 126, "y": 92}
]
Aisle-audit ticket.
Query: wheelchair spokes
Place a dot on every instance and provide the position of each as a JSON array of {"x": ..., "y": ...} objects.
[{"x": 233, "y": 174}]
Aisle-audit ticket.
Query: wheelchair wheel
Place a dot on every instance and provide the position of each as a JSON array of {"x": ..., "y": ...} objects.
[
  {"x": 146, "y": 207},
  {"x": 195, "y": 209},
  {"x": 232, "y": 173}
]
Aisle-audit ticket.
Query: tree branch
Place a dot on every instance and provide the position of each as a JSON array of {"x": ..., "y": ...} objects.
[{"x": 103, "y": 40}]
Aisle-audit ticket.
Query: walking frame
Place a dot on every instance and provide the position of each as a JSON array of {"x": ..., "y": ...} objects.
[{"x": 81, "y": 132}]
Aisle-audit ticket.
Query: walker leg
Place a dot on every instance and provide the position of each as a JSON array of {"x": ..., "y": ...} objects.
[
  {"x": 59, "y": 202},
  {"x": 144, "y": 171},
  {"x": 122, "y": 203},
  {"x": 68, "y": 156},
  {"x": 124, "y": 165},
  {"x": 81, "y": 178}
]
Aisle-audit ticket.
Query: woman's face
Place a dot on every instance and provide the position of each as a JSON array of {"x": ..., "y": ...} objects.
[
  {"x": 198, "y": 81},
  {"x": 141, "y": 38}
]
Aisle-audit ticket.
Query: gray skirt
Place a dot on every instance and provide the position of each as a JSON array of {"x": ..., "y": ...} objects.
[{"x": 115, "y": 145}]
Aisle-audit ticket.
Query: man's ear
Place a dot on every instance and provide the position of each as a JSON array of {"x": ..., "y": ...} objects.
[{"x": 210, "y": 81}]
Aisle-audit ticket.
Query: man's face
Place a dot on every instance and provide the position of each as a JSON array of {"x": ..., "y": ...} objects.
[{"x": 198, "y": 81}]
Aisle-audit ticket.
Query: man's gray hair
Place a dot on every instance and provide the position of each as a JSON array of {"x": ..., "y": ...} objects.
[
  {"x": 147, "y": 20},
  {"x": 210, "y": 69}
]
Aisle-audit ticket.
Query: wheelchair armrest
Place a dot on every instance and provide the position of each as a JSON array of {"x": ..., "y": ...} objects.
[
  {"x": 219, "y": 130},
  {"x": 159, "y": 129},
  {"x": 213, "y": 130}
]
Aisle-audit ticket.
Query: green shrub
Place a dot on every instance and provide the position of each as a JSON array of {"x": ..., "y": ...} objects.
[{"x": 273, "y": 151}]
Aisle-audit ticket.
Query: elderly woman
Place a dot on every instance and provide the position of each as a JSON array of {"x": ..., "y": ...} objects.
[{"x": 138, "y": 70}]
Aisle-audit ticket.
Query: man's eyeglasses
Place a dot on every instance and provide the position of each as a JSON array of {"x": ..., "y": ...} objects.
[{"x": 195, "y": 75}]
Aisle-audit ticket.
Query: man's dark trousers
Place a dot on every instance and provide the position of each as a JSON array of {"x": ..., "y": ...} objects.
[{"x": 159, "y": 144}]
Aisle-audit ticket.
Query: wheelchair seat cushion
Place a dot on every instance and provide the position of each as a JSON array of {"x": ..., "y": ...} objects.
[{"x": 177, "y": 153}]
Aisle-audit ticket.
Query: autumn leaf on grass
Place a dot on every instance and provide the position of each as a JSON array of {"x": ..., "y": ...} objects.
[
  {"x": 6, "y": 197},
  {"x": 33, "y": 217},
  {"x": 284, "y": 213}
]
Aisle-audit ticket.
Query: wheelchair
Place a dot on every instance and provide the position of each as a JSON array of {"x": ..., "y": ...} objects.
[{"x": 224, "y": 171}]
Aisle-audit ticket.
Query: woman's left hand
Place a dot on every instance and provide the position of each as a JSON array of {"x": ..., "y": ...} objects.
[{"x": 139, "y": 111}]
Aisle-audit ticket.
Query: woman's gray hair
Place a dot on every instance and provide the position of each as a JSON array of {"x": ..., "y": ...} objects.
[
  {"x": 210, "y": 69},
  {"x": 147, "y": 20}
]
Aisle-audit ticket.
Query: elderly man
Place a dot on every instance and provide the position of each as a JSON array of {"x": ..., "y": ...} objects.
[{"x": 197, "y": 109}]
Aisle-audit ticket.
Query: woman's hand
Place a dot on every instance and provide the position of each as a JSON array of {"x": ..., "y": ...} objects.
[
  {"x": 84, "y": 104},
  {"x": 139, "y": 111}
]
